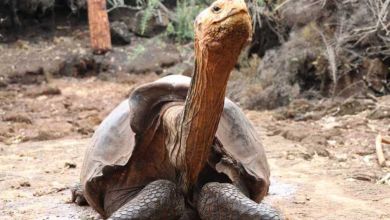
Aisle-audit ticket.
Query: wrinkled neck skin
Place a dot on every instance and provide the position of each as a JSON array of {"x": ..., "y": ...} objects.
[
  {"x": 191, "y": 130},
  {"x": 203, "y": 107}
]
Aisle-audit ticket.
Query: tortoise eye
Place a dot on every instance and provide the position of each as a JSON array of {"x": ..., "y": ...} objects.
[{"x": 216, "y": 9}]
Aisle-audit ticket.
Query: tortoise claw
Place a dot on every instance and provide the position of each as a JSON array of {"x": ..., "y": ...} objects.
[{"x": 77, "y": 195}]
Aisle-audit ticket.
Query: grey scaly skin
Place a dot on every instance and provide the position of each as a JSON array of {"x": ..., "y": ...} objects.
[
  {"x": 225, "y": 201},
  {"x": 160, "y": 199},
  {"x": 77, "y": 195}
]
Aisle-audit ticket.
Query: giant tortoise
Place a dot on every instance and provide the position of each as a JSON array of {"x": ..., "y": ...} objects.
[{"x": 177, "y": 148}]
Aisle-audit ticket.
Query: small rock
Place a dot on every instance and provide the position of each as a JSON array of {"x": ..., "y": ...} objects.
[
  {"x": 341, "y": 157},
  {"x": 352, "y": 123},
  {"x": 25, "y": 184},
  {"x": 353, "y": 106},
  {"x": 154, "y": 56},
  {"x": 46, "y": 135},
  {"x": 70, "y": 165},
  {"x": 364, "y": 150},
  {"x": 274, "y": 132},
  {"x": 45, "y": 91},
  {"x": 294, "y": 134},
  {"x": 16, "y": 139},
  {"x": 385, "y": 179},
  {"x": 50, "y": 91},
  {"x": 39, "y": 193},
  {"x": 290, "y": 156},
  {"x": 3, "y": 84},
  {"x": 329, "y": 122},
  {"x": 363, "y": 177},
  {"x": 125, "y": 15},
  {"x": 120, "y": 34},
  {"x": 184, "y": 69},
  {"x": 84, "y": 130},
  {"x": 15, "y": 117},
  {"x": 319, "y": 150},
  {"x": 82, "y": 65},
  {"x": 298, "y": 109},
  {"x": 331, "y": 143},
  {"x": 380, "y": 113},
  {"x": 307, "y": 156},
  {"x": 301, "y": 199},
  {"x": 315, "y": 139}
]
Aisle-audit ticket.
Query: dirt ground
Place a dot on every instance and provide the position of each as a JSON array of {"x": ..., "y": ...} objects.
[{"x": 322, "y": 167}]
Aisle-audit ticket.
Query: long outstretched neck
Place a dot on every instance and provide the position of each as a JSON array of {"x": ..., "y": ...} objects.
[
  {"x": 221, "y": 32},
  {"x": 203, "y": 109}
]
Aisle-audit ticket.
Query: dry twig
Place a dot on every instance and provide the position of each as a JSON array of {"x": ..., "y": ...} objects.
[
  {"x": 281, "y": 5},
  {"x": 385, "y": 179},
  {"x": 385, "y": 140},
  {"x": 331, "y": 55},
  {"x": 121, "y": 4},
  {"x": 379, "y": 150}
]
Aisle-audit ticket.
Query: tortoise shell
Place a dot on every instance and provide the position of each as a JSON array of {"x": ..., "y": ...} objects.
[{"x": 119, "y": 136}]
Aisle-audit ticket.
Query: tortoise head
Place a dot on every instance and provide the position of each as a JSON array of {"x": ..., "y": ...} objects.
[{"x": 226, "y": 24}]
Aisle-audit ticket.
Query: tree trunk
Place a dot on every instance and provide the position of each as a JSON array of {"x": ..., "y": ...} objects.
[{"x": 99, "y": 26}]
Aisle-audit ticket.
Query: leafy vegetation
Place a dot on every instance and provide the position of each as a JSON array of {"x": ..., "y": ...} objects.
[
  {"x": 113, "y": 4},
  {"x": 139, "y": 49},
  {"x": 182, "y": 29},
  {"x": 148, "y": 14}
]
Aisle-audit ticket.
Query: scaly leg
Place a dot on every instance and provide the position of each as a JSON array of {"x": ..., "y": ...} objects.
[
  {"x": 77, "y": 195},
  {"x": 160, "y": 199},
  {"x": 225, "y": 201}
]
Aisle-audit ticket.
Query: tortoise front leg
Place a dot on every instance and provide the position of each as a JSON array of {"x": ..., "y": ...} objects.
[
  {"x": 160, "y": 199},
  {"x": 225, "y": 201},
  {"x": 77, "y": 195}
]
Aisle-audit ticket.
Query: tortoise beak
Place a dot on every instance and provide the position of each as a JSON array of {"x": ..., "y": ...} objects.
[{"x": 235, "y": 11}]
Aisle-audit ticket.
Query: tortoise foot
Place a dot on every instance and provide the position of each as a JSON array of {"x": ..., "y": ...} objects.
[
  {"x": 160, "y": 199},
  {"x": 77, "y": 195},
  {"x": 225, "y": 201}
]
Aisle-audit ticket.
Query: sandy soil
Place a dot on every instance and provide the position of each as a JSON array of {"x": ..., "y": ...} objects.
[{"x": 322, "y": 168}]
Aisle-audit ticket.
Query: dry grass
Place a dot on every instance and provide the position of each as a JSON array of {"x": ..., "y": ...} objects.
[
  {"x": 330, "y": 51},
  {"x": 377, "y": 27}
]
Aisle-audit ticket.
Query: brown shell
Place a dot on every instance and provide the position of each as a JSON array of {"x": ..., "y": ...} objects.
[{"x": 115, "y": 139}]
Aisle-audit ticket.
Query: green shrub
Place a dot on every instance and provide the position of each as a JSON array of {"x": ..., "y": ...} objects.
[
  {"x": 114, "y": 4},
  {"x": 148, "y": 14},
  {"x": 260, "y": 2},
  {"x": 182, "y": 29}
]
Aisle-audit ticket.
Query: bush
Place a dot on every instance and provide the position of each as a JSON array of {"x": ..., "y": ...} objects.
[
  {"x": 149, "y": 11},
  {"x": 182, "y": 29}
]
